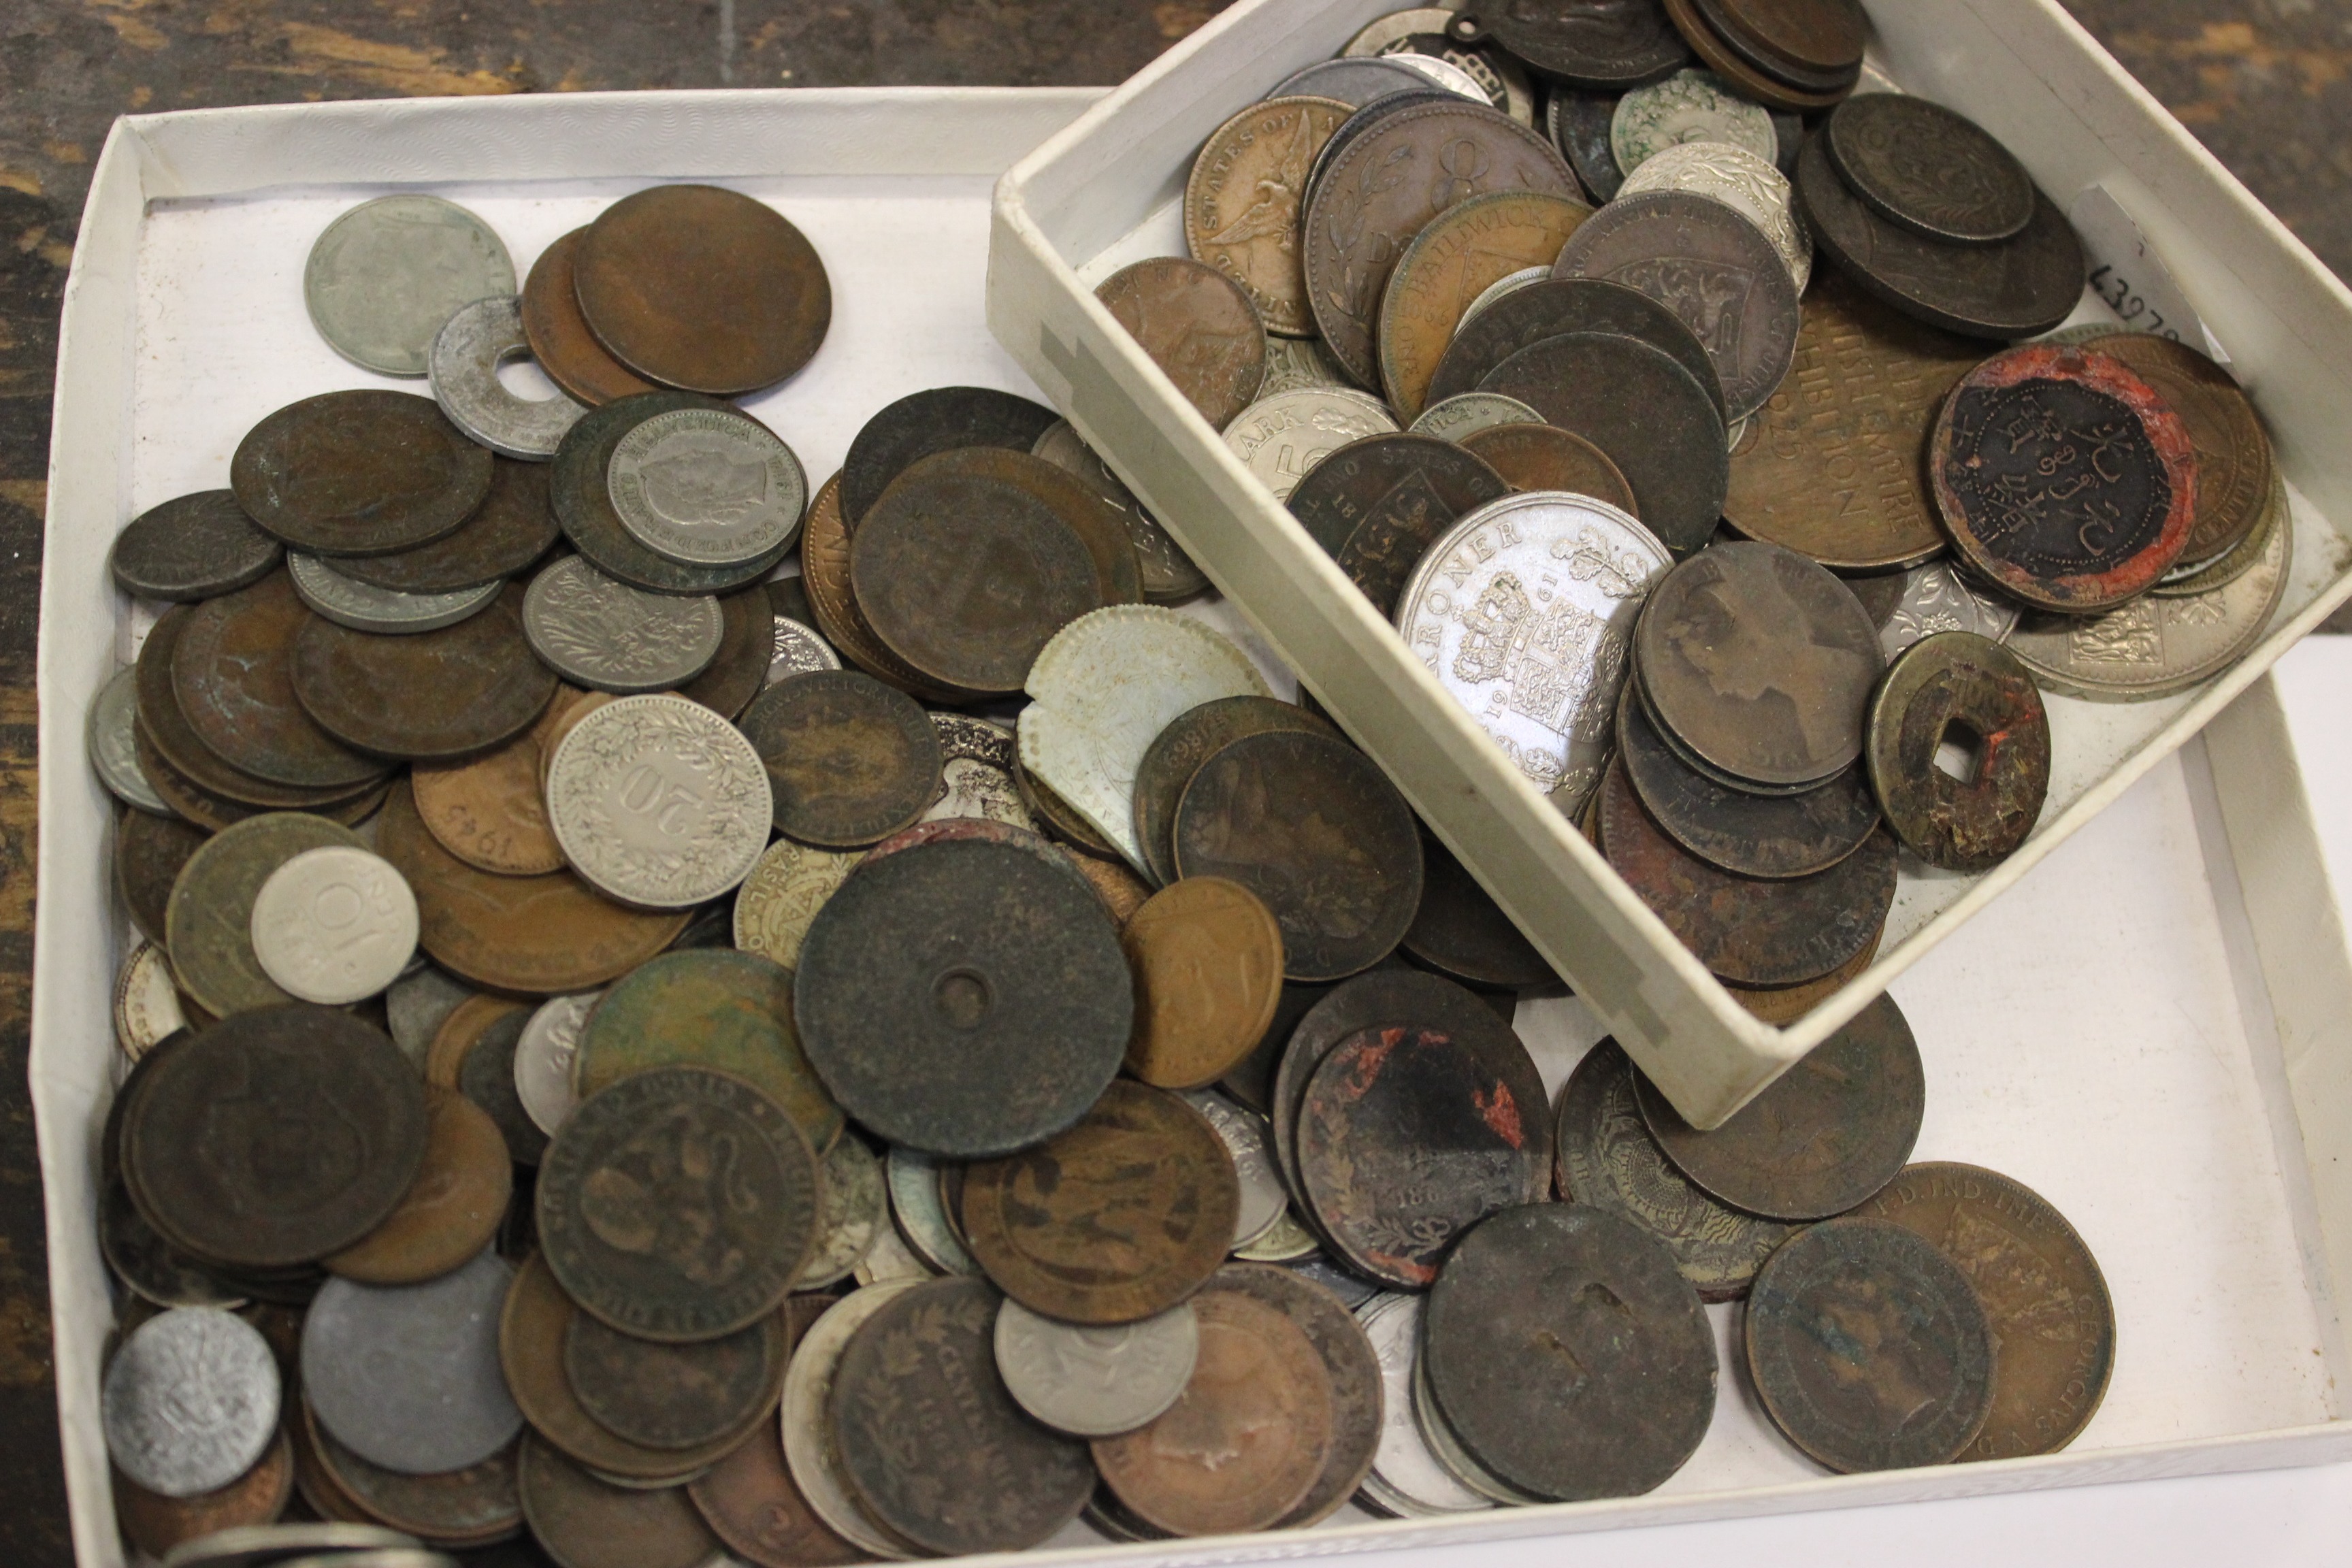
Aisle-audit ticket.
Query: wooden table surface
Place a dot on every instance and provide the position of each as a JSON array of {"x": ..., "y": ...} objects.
[{"x": 2266, "y": 83}]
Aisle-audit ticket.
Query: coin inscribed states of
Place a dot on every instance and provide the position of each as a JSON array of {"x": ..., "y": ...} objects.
[
  {"x": 1241, "y": 202},
  {"x": 1283, "y": 434},
  {"x": 190, "y": 1401},
  {"x": 707, "y": 486},
  {"x": 658, "y": 801},
  {"x": 383, "y": 278},
  {"x": 334, "y": 924},
  {"x": 1095, "y": 1381}
]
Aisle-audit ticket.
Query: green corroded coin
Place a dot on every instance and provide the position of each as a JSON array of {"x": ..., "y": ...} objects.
[{"x": 208, "y": 921}]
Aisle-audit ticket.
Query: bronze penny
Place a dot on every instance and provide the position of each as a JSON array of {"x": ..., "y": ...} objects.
[
  {"x": 849, "y": 760},
  {"x": 1177, "y": 752},
  {"x": 673, "y": 1396},
  {"x": 1348, "y": 1359},
  {"x": 825, "y": 578},
  {"x": 164, "y": 731},
  {"x": 472, "y": 1507},
  {"x": 704, "y": 288},
  {"x": 2233, "y": 458},
  {"x": 1450, "y": 263},
  {"x": 192, "y": 547},
  {"x": 1869, "y": 1348},
  {"x": 1556, "y": 306},
  {"x": 154, "y": 1523},
  {"x": 1207, "y": 957},
  {"x": 1784, "y": 1004},
  {"x": 1934, "y": 170},
  {"x": 1958, "y": 689},
  {"x": 492, "y": 812},
  {"x": 450, "y": 1211},
  {"x": 746, "y": 644},
  {"x": 233, "y": 672},
  {"x": 1412, "y": 483},
  {"x": 428, "y": 696},
  {"x": 750, "y": 1499},
  {"x": 514, "y": 526},
  {"x": 2053, "y": 1322},
  {"x": 1199, "y": 326},
  {"x": 1123, "y": 1216},
  {"x": 580, "y": 490},
  {"x": 584, "y": 1522},
  {"x": 358, "y": 473},
  {"x": 941, "y": 419},
  {"x": 538, "y": 935},
  {"x": 1459, "y": 929},
  {"x": 1248, "y": 1438},
  {"x": 1547, "y": 457},
  {"x": 153, "y": 1268},
  {"x": 559, "y": 335},
  {"x": 208, "y": 924},
  {"x": 1241, "y": 202},
  {"x": 1121, "y": 891},
  {"x": 148, "y": 854},
  {"x": 1314, "y": 829}
]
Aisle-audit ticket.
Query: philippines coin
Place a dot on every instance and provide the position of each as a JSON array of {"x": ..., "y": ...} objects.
[
  {"x": 148, "y": 854},
  {"x": 1263, "y": 1197},
  {"x": 751, "y": 1499},
  {"x": 849, "y": 761},
  {"x": 1348, "y": 1359},
  {"x": 1177, "y": 752},
  {"x": 489, "y": 811},
  {"x": 363, "y": 607},
  {"x": 1468, "y": 414},
  {"x": 1766, "y": 835},
  {"x": 1810, "y": 42},
  {"x": 1207, "y": 956},
  {"x": 464, "y": 372},
  {"x": 1457, "y": 255},
  {"x": 1742, "y": 180},
  {"x": 1198, "y": 325},
  {"x": 406, "y": 1376},
  {"x": 1869, "y": 1348},
  {"x": 581, "y": 490},
  {"x": 155, "y": 1524},
  {"x": 600, "y": 633},
  {"x": 1579, "y": 123},
  {"x": 1241, "y": 202},
  {"x": 386, "y": 274},
  {"x": 856, "y": 1212},
  {"x": 1406, "y": 1479},
  {"x": 478, "y": 1504},
  {"x": 1095, "y": 1381},
  {"x": 781, "y": 894},
  {"x": 941, "y": 419},
  {"x": 334, "y": 924},
  {"x": 513, "y": 527},
  {"x": 544, "y": 1052},
  {"x": 431, "y": 696},
  {"x": 560, "y": 339},
  {"x": 674, "y": 1396},
  {"x": 1553, "y": 307},
  {"x": 1568, "y": 1354},
  {"x": 1167, "y": 574},
  {"x": 700, "y": 288},
  {"x": 2046, "y": 1302},
  {"x": 658, "y": 802},
  {"x": 1935, "y": 171},
  {"x": 2234, "y": 467},
  {"x": 1688, "y": 106},
  {"x": 1282, "y": 436},
  {"x": 194, "y": 546},
  {"x": 810, "y": 1450},
  {"x": 1958, "y": 690},
  {"x": 1407, "y": 482},
  {"x": 1592, "y": 44},
  {"x": 1351, "y": 82},
  {"x": 146, "y": 1001},
  {"x": 584, "y": 1521},
  {"x": 450, "y": 1212},
  {"x": 707, "y": 486},
  {"x": 1459, "y": 929},
  {"x": 1540, "y": 456},
  {"x": 190, "y": 1401},
  {"x": 799, "y": 650},
  {"x": 1119, "y": 1218},
  {"x": 109, "y": 738},
  {"x": 232, "y": 676},
  {"x": 677, "y": 1204},
  {"x": 208, "y": 923},
  {"x": 358, "y": 473}
]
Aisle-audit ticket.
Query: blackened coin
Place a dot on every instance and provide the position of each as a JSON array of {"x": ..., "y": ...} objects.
[
  {"x": 580, "y": 488},
  {"x": 1398, "y": 478},
  {"x": 514, "y": 526},
  {"x": 1937, "y": 173},
  {"x": 1579, "y": 123},
  {"x": 1602, "y": 46},
  {"x": 1200, "y": 327},
  {"x": 1177, "y": 752},
  {"x": 964, "y": 998},
  {"x": 849, "y": 760},
  {"x": 1348, "y": 1359},
  {"x": 148, "y": 854},
  {"x": 673, "y": 1396},
  {"x": 1460, "y": 929},
  {"x": 431, "y": 696},
  {"x": 1956, "y": 690},
  {"x": 1394, "y": 534},
  {"x": 487, "y": 1078},
  {"x": 938, "y": 420},
  {"x": 153, "y": 1267},
  {"x": 192, "y": 547},
  {"x": 232, "y": 674},
  {"x": 1567, "y": 1355},
  {"x": 1557, "y": 306},
  {"x": 358, "y": 473},
  {"x": 1870, "y": 1348}
]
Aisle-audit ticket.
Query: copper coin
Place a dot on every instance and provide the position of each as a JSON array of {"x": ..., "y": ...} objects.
[
  {"x": 428, "y": 696},
  {"x": 1869, "y": 1348},
  {"x": 750, "y": 1499},
  {"x": 490, "y": 812},
  {"x": 1248, "y": 1438},
  {"x": 164, "y": 730},
  {"x": 2053, "y": 1322},
  {"x": 921, "y": 424},
  {"x": 579, "y": 489},
  {"x": 514, "y": 526},
  {"x": 1547, "y": 457},
  {"x": 1958, "y": 690},
  {"x": 1739, "y": 75},
  {"x": 824, "y": 579},
  {"x": 186, "y": 798},
  {"x": 1557, "y": 307},
  {"x": 1058, "y": 816},
  {"x": 673, "y": 1396},
  {"x": 1604, "y": 46},
  {"x": 1413, "y": 484},
  {"x": 151, "y": 1268},
  {"x": 2233, "y": 454},
  {"x": 451, "y": 1209},
  {"x": 192, "y": 547},
  {"x": 233, "y": 672},
  {"x": 485, "y": 1076},
  {"x": 1199, "y": 326},
  {"x": 1120, "y": 1217},
  {"x": 454, "y": 1041},
  {"x": 148, "y": 854},
  {"x": 849, "y": 760},
  {"x": 2064, "y": 477},
  {"x": 560, "y": 339},
  {"x": 1784, "y": 1004},
  {"x": 1177, "y": 752},
  {"x": 1207, "y": 956},
  {"x": 1821, "y": 37},
  {"x": 746, "y": 644},
  {"x": 584, "y": 1522},
  {"x": 358, "y": 473},
  {"x": 1241, "y": 202},
  {"x": 1460, "y": 930},
  {"x": 1348, "y": 1359},
  {"x": 1928, "y": 168},
  {"x": 154, "y": 1523},
  {"x": 704, "y": 288},
  {"x": 473, "y": 1507},
  {"x": 1121, "y": 891},
  {"x": 538, "y": 935},
  {"x": 1450, "y": 263},
  {"x": 1316, "y": 830}
]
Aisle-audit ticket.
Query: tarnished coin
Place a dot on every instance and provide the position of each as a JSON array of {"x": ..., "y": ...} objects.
[
  {"x": 1766, "y": 835},
  {"x": 810, "y": 1450},
  {"x": 1935, "y": 171},
  {"x": 674, "y": 1396},
  {"x": 153, "y": 1269},
  {"x": 406, "y": 1376},
  {"x": 1289, "y": 1242},
  {"x": 978, "y": 786},
  {"x": 544, "y": 1052},
  {"x": 1406, "y": 1478},
  {"x": 1409, "y": 486},
  {"x": 464, "y": 371},
  {"x": 358, "y": 473},
  {"x": 849, "y": 761},
  {"x": 782, "y": 894},
  {"x": 1448, "y": 264},
  {"x": 856, "y": 1212},
  {"x": 603, "y": 634},
  {"x": 1263, "y": 1197},
  {"x": 751, "y": 1500},
  {"x": 2046, "y": 1302},
  {"x": 1600, "y": 45},
  {"x": 1567, "y": 1355},
  {"x": 190, "y": 1401},
  {"x": 700, "y": 288},
  {"x": 384, "y": 276},
  {"x": 334, "y": 924},
  {"x": 1810, "y": 43},
  {"x": 1208, "y": 963},
  {"x": 1198, "y": 325},
  {"x": 800, "y": 648},
  {"x": 479, "y": 1503},
  {"x": 1870, "y": 1348},
  {"x": 580, "y": 490},
  {"x": 193, "y": 546},
  {"x": 586, "y": 1522},
  {"x": 489, "y": 811},
  {"x": 1540, "y": 456},
  {"x": 1095, "y": 1381},
  {"x": 1241, "y": 202},
  {"x": 1283, "y": 434},
  {"x": 1167, "y": 574},
  {"x": 450, "y": 1212},
  {"x": 1554, "y": 307},
  {"x": 1177, "y": 752},
  {"x": 1349, "y": 1360},
  {"x": 155, "y": 1524},
  {"x": 1466, "y": 414},
  {"x": 1579, "y": 123},
  {"x": 363, "y": 607},
  {"x": 1292, "y": 364},
  {"x": 2234, "y": 468},
  {"x": 1687, "y": 106},
  {"x": 1459, "y": 929},
  {"x": 148, "y": 854},
  {"x": 146, "y": 1001},
  {"x": 109, "y": 738},
  {"x": 1956, "y": 690},
  {"x": 431, "y": 696},
  {"x": 941, "y": 419},
  {"x": 1351, "y": 82},
  {"x": 208, "y": 923},
  {"x": 231, "y": 679},
  {"x": 658, "y": 802},
  {"x": 1742, "y": 179},
  {"x": 707, "y": 486},
  {"x": 560, "y": 339},
  {"x": 513, "y": 527}
]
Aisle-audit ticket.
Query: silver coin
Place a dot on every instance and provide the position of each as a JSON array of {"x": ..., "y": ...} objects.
[
  {"x": 982, "y": 740},
  {"x": 1280, "y": 438},
  {"x": 464, "y": 373},
  {"x": 1091, "y": 1381},
  {"x": 658, "y": 802},
  {"x": 1465, "y": 412},
  {"x": 146, "y": 1001},
  {"x": 1504, "y": 78},
  {"x": 707, "y": 486},
  {"x": 1938, "y": 598},
  {"x": 782, "y": 894},
  {"x": 1353, "y": 1290},
  {"x": 1445, "y": 74},
  {"x": 599, "y": 632},
  {"x": 415, "y": 1007},
  {"x": 1248, "y": 1139},
  {"x": 364, "y": 607},
  {"x": 384, "y": 277},
  {"x": 407, "y": 1376},
  {"x": 890, "y": 1260},
  {"x": 1524, "y": 611},
  {"x": 249, "y": 1545},
  {"x": 1509, "y": 283},
  {"x": 1688, "y": 106},
  {"x": 112, "y": 754},
  {"x": 544, "y": 1056},
  {"x": 334, "y": 924},
  {"x": 799, "y": 650},
  {"x": 1355, "y": 82},
  {"x": 1447, "y": 1448},
  {"x": 856, "y": 1212},
  {"x": 1285, "y": 1241},
  {"x": 1411, "y": 1483},
  {"x": 970, "y": 788},
  {"x": 915, "y": 1198},
  {"x": 1169, "y": 574},
  {"x": 808, "y": 1446},
  {"x": 1295, "y": 365},
  {"x": 190, "y": 1401},
  {"x": 1747, "y": 184}
]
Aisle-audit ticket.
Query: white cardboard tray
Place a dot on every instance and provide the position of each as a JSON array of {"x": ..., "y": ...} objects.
[
  {"x": 1108, "y": 190},
  {"x": 2165, "y": 1060}
]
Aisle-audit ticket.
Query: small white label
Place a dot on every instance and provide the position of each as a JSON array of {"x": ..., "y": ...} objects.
[{"x": 2131, "y": 280}]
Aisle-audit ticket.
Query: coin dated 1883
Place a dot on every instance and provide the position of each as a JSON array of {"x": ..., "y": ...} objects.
[
  {"x": 707, "y": 486},
  {"x": 1956, "y": 687},
  {"x": 658, "y": 801},
  {"x": 364, "y": 472},
  {"x": 1449, "y": 264},
  {"x": 1198, "y": 324},
  {"x": 1242, "y": 202},
  {"x": 383, "y": 278},
  {"x": 1935, "y": 173}
]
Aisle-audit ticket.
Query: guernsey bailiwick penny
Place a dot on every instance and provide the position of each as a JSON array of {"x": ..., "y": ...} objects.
[
  {"x": 849, "y": 760},
  {"x": 193, "y": 546},
  {"x": 1207, "y": 956},
  {"x": 940, "y": 419},
  {"x": 1956, "y": 687},
  {"x": 1448, "y": 264},
  {"x": 658, "y": 802},
  {"x": 450, "y": 1211},
  {"x": 1937, "y": 173},
  {"x": 1547, "y": 457},
  {"x": 2234, "y": 466},
  {"x": 1200, "y": 327},
  {"x": 1773, "y": 836},
  {"x": 208, "y": 923},
  {"x": 1241, "y": 202},
  {"x": 560, "y": 339},
  {"x": 431, "y": 696},
  {"x": 585, "y": 1522},
  {"x": 358, "y": 473},
  {"x": 673, "y": 1396},
  {"x": 1177, "y": 752},
  {"x": 232, "y": 674}
]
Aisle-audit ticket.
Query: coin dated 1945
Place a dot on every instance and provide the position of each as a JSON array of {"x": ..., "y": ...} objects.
[
  {"x": 707, "y": 486},
  {"x": 599, "y": 632},
  {"x": 383, "y": 278},
  {"x": 190, "y": 1401},
  {"x": 658, "y": 801},
  {"x": 1095, "y": 1381},
  {"x": 334, "y": 924}
]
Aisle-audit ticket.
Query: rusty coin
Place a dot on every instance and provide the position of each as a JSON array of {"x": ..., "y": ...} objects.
[
  {"x": 1547, "y": 457},
  {"x": 2234, "y": 466},
  {"x": 747, "y": 646},
  {"x": 750, "y": 1499},
  {"x": 1935, "y": 171},
  {"x": 358, "y": 473},
  {"x": 584, "y": 1522},
  {"x": 1459, "y": 929},
  {"x": 192, "y": 547},
  {"x": 1556, "y": 306},
  {"x": 672, "y": 1396},
  {"x": 938, "y": 420},
  {"x": 1958, "y": 689},
  {"x": 148, "y": 854},
  {"x": 514, "y": 526},
  {"x": 1177, "y": 752},
  {"x": 429, "y": 696},
  {"x": 1241, "y": 202},
  {"x": 1603, "y": 46},
  {"x": 559, "y": 335},
  {"x": 1207, "y": 957},
  {"x": 451, "y": 1209},
  {"x": 1450, "y": 263},
  {"x": 1198, "y": 325},
  {"x": 849, "y": 760},
  {"x": 233, "y": 673},
  {"x": 1413, "y": 483}
]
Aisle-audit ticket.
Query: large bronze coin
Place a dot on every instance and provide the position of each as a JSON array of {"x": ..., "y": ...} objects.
[
  {"x": 584, "y": 1522},
  {"x": 677, "y": 1204},
  {"x": 1813, "y": 43},
  {"x": 233, "y": 673},
  {"x": 2046, "y": 1302},
  {"x": 1547, "y": 457},
  {"x": 208, "y": 923},
  {"x": 730, "y": 1011},
  {"x": 849, "y": 761},
  {"x": 428, "y": 697},
  {"x": 491, "y": 811},
  {"x": 938, "y": 420},
  {"x": 1314, "y": 828},
  {"x": 358, "y": 473},
  {"x": 1408, "y": 1137},
  {"x": 703, "y": 289},
  {"x": 473, "y": 1507},
  {"x": 1821, "y": 1138},
  {"x": 1199, "y": 326},
  {"x": 1603, "y": 46},
  {"x": 275, "y": 1137},
  {"x": 1958, "y": 689},
  {"x": 963, "y": 998},
  {"x": 1241, "y": 202},
  {"x": 1746, "y": 929},
  {"x": 1648, "y": 416},
  {"x": 1461, "y": 931},
  {"x": 559, "y": 335},
  {"x": 1403, "y": 479},
  {"x": 1556, "y": 306},
  {"x": 2234, "y": 466},
  {"x": 1119, "y": 1218},
  {"x": 1870, "y": 1348},
  {"x": 579, "y": 489},
  {"x": 1760, "y": 662},
  {"x": 1177, "y": 752},
  {"x": 514, "y": 526},
  {"x": 1449, "y": 264},
  {"x": 671, "y": 1396},
  {"x": 1784, "y": 1004},
  {"x": 148, "y": 854},
  {"x": 1207, "y": 959},
  {"x": 1935, "y": 171},
  {"x": 450, "y": 1212},
  {"x": 1567, "y": 1355},
  {"x": 190, "y": 763},
  {"x": 2064, "y": 477},
  {"x": 833, "y": 608},
  {"x": 1348, "y": 1360},
  {"x": 747, "y": 646},
  {"x": 750, "y": 1499},
  {"x": 192, "y": 547}
]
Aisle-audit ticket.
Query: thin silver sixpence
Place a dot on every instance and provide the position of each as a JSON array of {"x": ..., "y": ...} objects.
[
  {"x": 464, "y": 373},
  {"x": 798, "y": 651},
  {"x": 1508, "y": 283},
  {"x": 915, "y": 1198},
  {"x": 808, "y": 1448},
  {"x": 1458, "y": 415},
  {"x": 334, "y": 924},
  {"x": 1406, "y": 1478},
  {"x": 599, "y": 632},
  {"x": 658, "y": 802},
  {"x": 856, "y": 1212},
  {"x": 1688, "y": 106},
  {"x": 364, "y": 607},
  {"x": 1095, "y": 1382},
  {"x": 384, "y": 278},
  {"x": 1937, "y": 598},
  {"x": 190, "y": 1401},
  {"x": 1248, "y": 1139},
  {"x": 1280, "y": 437},
  {"x": 707, "y": 486},
  {"x": 112, "y": 751},
  {"x": 146, "y": 1003},
  {"x": 407, "y": 1376},
  {"x": 544, "y": 1056}
]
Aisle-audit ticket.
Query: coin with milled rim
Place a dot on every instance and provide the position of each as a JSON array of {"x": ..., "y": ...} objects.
[
  {"x": 1283, "y": 434},
  {"x": 209, "y": 919},
  {"x": 190, "y": 1401},
  {"x": 1095, "y": 1381},
  {"x": 707, "y": 486},
  {"x": 1242, "y": 202},
  {"x": 600, "y": 633},
  {"x": 384, "y": 277},
  {"x": 658, "y": 801}
]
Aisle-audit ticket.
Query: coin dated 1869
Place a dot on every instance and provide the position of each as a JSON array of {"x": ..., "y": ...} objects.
[
  {"x": 1098, "y": 1381},
  {"x": 192, "y": 547},
  {"x": 1935, "y": 173},
  {"x": 406, "y": 1376},
  {"x": 1207, "y": 956},
  {"x": 1958, "y": 689},
  {"x": 1771, "y": 835},
  {"x": 1282, "y": 436},
  {"x": 464, "y": 369},
  {"x": 603, "y": 634},
  {"x": 384, "y": 276},
  {"x": 1449, "y": 264},
  {"x": 849, "y": 760},
  {"x": 782, "y": 894},
  {"x": 334, "y": 924},
  {"x": 940, "y": 419},
  {"x": 1241, "y": 202},
  {"x": 1870, "y": 1348},
  {"x": 358, "y": 473},
  {"x": 707, "y": 486},
  {"x": 1603, "y": 45},
  {"x": 1198, "y": 325},
  {"x": 658, "y": 801},
  {"x": 429, "y": 697},
  {"x": 1177, "y": 752},
  {"x": 190, "y": 1401},
  {"x": 1168, "y": 574}
]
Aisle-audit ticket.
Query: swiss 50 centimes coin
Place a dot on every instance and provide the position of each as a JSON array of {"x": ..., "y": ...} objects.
[
  {"x": 1773, "y": 836},
  {"x": 782, "y": 894},
  {"x": 406, "y": 1376},
  {"x": 358, "y": 473},
  {"x": 1283, "y": 434},
  {"x": 1241, "y": 202},
  {"x": 658, "y": 801},
  {"x": 1567, "y": 1353},
  {"x": 2064, "y": 477},
  {"x": 1599, "y": 45},
  {"x": 707, "y": 486},
  {"x": 849, "y": 761},
  {"x": 1935, "y": 173},
  {"x": 2234, "y": 467},
  {"x": 190, "y": 1401},
  {"x": 334, "y": 924},
  {"x": 941, "y": 419},
  {"x": 1958, "y": 688},
  {"x": 600, "y": 633},
  {"x": 1870, "y": 1348},
  {"x": 2045, "y": 1299},
  {"x": 386, "y": 275},
  {"x": 1823, "y": 1137},
  {"x": 1449, "y": 264},
  {"x": 192, "y": 547},
  {"x": 1198, "y": 325},
  {"x": 1095, "y": 1381},
  {"x": 677, "y": 1204}
]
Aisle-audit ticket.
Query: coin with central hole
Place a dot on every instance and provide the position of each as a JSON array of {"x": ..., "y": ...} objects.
[
  {"x": 1960, "y": 751},
  {"x": 849, "y": 760},
  {"x": 707, "y": 486},
  {"x": 358, "y": 473},
  {"x": 464, "y": 369}
]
